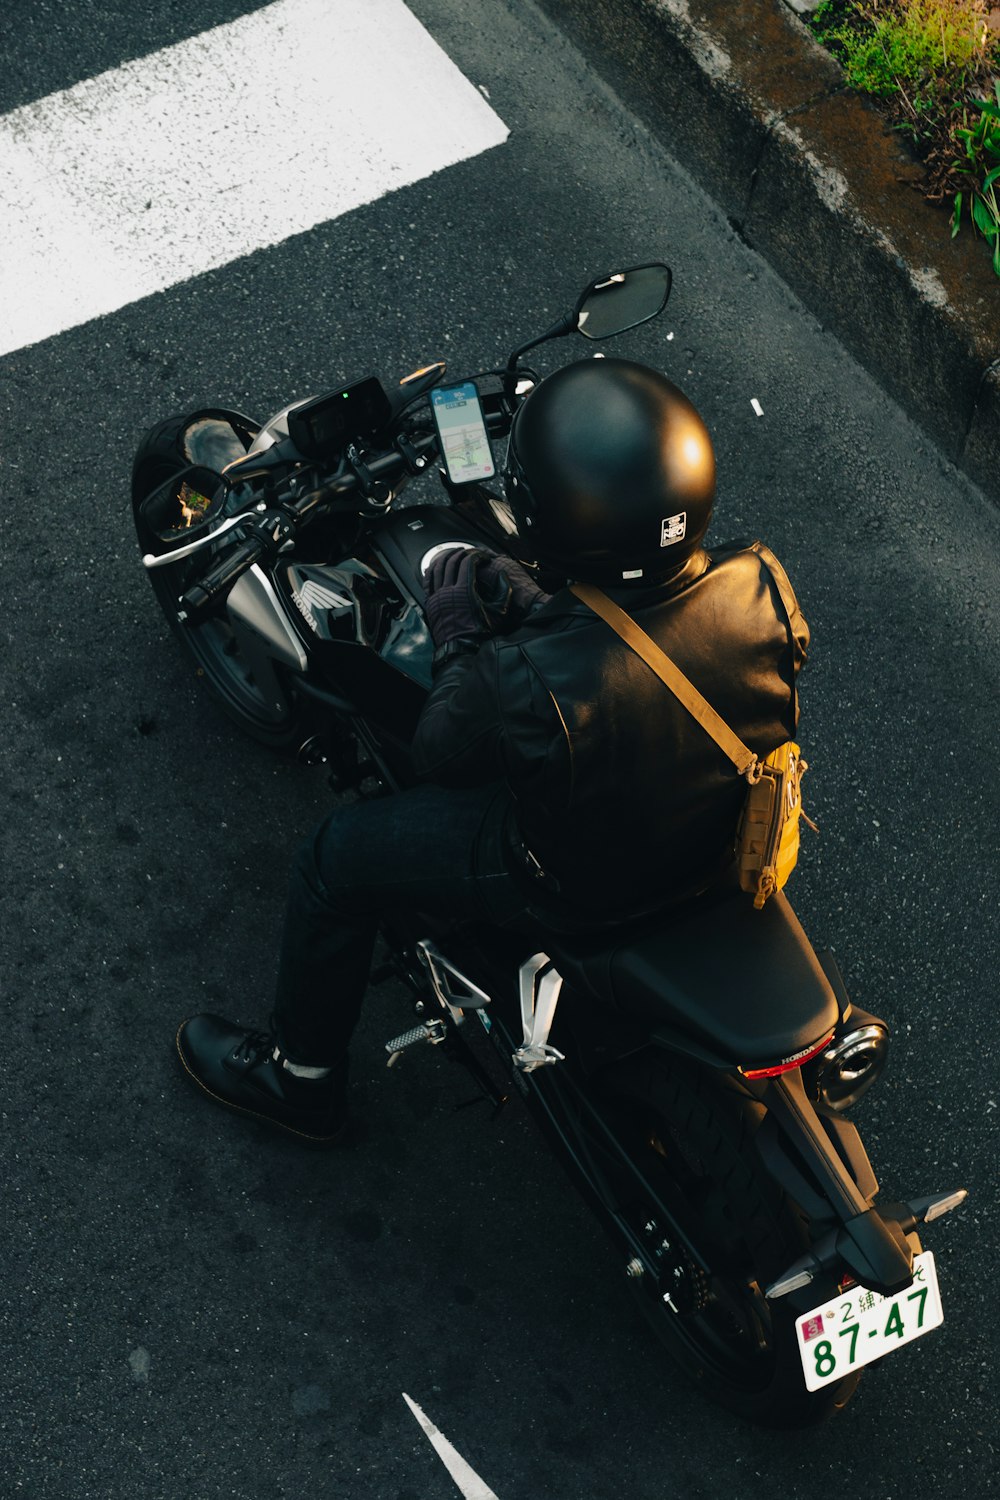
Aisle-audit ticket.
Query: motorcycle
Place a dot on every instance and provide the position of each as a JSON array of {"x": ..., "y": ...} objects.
[{"x": 693, "y": 1071}]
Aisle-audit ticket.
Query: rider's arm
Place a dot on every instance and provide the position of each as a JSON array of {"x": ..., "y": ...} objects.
[
  {"x": 460, "y": 737},
  {"x": 796, "y": 619}
]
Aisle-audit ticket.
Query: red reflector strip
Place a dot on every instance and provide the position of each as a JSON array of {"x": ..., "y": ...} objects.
[{"x": 788, "y": 1063}]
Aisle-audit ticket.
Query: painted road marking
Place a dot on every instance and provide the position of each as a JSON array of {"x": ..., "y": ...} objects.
[
  {"x": 469, "y": 1483},
  {"x": 179, "y": 162}
]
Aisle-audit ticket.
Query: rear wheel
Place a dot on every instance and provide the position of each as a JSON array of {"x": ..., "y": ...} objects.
[
  {"x": 691, "y": 1137},
  {"x": 212, "y": 438}
]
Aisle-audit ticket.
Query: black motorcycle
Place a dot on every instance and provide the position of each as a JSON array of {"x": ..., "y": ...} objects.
[{"x": 693, "y": 1071}]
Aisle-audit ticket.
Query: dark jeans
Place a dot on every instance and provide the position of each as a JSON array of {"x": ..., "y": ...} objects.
[{"x": 427, "y": 850}]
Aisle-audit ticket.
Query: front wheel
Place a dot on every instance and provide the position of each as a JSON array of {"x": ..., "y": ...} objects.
[
  {"x": 691, "y": 1134},
  {"x": 211, "y": 438}
]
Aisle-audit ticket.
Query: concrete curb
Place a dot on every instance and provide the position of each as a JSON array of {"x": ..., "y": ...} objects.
[{"x": 810, "y": 175}]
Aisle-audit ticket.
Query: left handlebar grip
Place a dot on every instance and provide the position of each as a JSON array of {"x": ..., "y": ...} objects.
[{"x": 222, "y": 576}]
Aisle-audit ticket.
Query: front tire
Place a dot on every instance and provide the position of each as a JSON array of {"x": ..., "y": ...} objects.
[
  {"x": 691, "y": 1135},
  {"x": 212, "y": 438}
]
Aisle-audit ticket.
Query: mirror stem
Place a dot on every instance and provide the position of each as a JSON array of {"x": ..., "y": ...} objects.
[{"x": 557, "y": 331}]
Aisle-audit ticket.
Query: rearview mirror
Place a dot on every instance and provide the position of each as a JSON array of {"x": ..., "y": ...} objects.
[
  {"x": 622, "y": 300},
  {"x": 181, "y": 508},
  {"x": 609, "y": 305}
]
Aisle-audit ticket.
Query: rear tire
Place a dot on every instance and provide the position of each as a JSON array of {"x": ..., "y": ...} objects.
[
  {"x": 691, "y": 1135},
  {"x": 212, "y": 438}
]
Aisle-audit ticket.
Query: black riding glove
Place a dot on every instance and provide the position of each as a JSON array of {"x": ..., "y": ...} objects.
[
  {"x": 472, "y": 593},
  {"x": 502, "y": 578},
  {"x": 454, "y": 607}
]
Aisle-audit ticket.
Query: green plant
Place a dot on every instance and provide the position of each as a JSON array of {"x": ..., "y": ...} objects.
[
  {"x": 926, "y": 64},
  {"x": 918, "y": 49},
  {"x": 980, "y": 163}
]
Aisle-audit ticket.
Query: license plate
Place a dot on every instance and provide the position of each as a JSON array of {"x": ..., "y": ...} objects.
[{"x": 848, "y": 1331}]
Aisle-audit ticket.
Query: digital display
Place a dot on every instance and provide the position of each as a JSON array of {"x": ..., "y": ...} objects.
[
  {"x": 465, "y": 444},
  {"x": 323, "y": 427}
]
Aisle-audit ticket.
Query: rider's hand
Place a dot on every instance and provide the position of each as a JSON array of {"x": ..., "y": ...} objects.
[
  {"x": 508, "y": 591},
  {"x": 454, "y": 607}
]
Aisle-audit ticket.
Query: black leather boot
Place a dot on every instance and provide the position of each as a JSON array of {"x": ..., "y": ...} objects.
[{"x": 238, "y": 1068}]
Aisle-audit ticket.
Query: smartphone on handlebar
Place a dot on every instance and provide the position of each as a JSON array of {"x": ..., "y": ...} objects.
[{"x": 461, "y": 427}]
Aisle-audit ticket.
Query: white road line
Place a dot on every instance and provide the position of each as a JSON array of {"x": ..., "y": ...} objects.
[
  {"x": 469, "y": 1483},
  {"x": 182, "y": 161}
]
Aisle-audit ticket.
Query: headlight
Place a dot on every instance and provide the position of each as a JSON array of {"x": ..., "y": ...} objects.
[{"x": 851, "y": 1064}]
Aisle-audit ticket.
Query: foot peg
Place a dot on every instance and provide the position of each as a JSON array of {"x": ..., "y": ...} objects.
[
  {"x": 430, "y": 1031},
  {"x": 540, "y": 984},
  {"x": 454, "y": 992}
]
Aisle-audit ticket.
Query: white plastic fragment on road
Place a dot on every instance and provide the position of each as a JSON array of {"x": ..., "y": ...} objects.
[
  {"x": 757, "y": 406},
  {"x": 469, "y": 1483},
  {"x": 229, "y": 142}
]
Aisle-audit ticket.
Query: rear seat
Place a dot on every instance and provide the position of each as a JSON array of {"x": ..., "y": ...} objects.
[{"x": 744, "y": 983}]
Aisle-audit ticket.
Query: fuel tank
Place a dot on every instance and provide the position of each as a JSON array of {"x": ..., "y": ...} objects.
[{"x": 361, "y": 617}]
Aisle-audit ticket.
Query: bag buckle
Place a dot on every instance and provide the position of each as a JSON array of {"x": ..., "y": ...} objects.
[{"x": 754, "y": 772}]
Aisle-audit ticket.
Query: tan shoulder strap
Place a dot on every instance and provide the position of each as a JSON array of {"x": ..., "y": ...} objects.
[{"x": 742, "y": 757}]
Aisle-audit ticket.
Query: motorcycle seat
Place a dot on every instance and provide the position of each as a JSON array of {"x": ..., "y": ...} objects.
[{"x": 746, "y": 985}]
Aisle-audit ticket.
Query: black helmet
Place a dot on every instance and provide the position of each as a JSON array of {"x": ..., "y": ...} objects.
[{"x": 610, "y": 473}]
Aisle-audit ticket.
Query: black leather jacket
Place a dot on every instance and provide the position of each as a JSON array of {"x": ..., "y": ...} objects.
[{"x": 620, "y": 796}]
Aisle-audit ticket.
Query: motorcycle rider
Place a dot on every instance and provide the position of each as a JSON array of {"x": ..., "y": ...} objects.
[{"x": 564, "y": 787}]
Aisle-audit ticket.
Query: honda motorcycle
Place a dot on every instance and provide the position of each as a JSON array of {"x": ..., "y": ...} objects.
[{"x": 694, "y": 1071}]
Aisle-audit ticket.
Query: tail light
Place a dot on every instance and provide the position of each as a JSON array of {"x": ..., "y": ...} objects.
[{"x": 786, "y": 1064}]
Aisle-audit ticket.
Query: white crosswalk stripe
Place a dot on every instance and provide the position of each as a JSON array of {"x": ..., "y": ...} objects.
[{"x": 182, "y": 161}]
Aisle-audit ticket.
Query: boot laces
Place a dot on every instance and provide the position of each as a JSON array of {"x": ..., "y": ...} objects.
[{"x": 256, "y": 1046}]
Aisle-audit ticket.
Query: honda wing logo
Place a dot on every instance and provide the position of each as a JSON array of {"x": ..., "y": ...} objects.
[{"x": 315, "y": 596}]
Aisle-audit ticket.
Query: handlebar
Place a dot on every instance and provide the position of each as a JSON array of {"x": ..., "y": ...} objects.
[
  {"x": 610, "y": 305},
  {"x": 272, "y": 529},
  {"x": 222, "y": 577}
]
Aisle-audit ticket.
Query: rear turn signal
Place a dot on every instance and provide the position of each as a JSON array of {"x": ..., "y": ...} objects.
[{"x": 788, "y": 1063}]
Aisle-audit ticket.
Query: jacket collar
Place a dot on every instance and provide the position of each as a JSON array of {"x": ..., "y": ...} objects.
[{"x": 631, "y": 598}]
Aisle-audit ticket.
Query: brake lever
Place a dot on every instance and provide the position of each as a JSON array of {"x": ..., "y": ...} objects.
[
  {"x": 272, "y": 532},
  {"x": 161, "y": 559}
]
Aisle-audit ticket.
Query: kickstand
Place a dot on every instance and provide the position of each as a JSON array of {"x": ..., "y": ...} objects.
[
  {"x": 498, "y": 1101},
  {"x": 458, "y": 1049}
]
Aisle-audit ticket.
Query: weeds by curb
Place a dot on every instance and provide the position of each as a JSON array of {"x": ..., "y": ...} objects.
[{"x": 929, "y": 66}]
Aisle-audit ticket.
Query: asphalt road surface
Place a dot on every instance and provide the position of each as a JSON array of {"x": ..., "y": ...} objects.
[{"x": 189, "y": 1307}]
